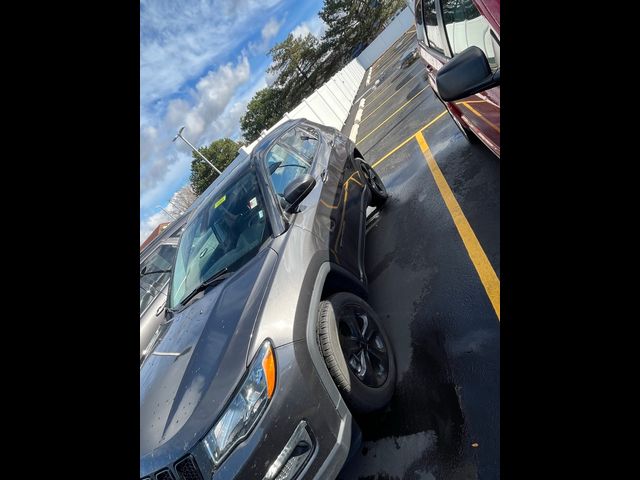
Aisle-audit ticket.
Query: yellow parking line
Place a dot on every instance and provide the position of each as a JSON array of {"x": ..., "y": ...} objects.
[
  {"x": 393, "y": 114},
  {"x": 389, "y": 98},
  {"x": 471, "y": 101},
  {"x": 479, "y": 259},
  {"x": 408, "y": 139},
  {"x": 496, "y": 128}
]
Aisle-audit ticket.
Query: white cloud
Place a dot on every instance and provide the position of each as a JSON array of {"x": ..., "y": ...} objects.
[
  {"x": 271, "y": 29},
  {"x": 207, "y": 111},
  {"x": 180, "y": 40},
  {"x": 315, "y": 26}
]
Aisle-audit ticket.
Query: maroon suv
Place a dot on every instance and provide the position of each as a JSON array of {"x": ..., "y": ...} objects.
[{"x": 460, "y": 42}]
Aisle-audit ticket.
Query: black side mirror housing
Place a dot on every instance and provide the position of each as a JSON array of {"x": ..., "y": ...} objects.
[
  {"x": 297, "y": 190},
  {"x": 466, "y": 74}
]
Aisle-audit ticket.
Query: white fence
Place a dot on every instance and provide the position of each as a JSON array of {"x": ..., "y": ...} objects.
[{"x": 331, "y": 103}]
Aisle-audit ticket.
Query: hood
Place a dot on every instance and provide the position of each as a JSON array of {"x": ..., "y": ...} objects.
[{"x": 182, "y": 396}]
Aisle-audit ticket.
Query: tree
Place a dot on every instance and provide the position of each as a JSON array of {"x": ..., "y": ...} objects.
[
  {"x": 353, "y": 24},
  {"x": 265, "y": 108},
  {"x": 294, "y": 59},
  {"x": 182, "y": 200},
  {"x": 220, "y": 153}
]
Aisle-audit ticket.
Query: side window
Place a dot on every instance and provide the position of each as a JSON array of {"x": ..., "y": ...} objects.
[
  {"x": 290, "y": 158},
  {"x": 151, "y": 284},
  {"x": 431, "y": 25},
  {"x": 302, "y": 140},
  {"x": 419, "y": 22},
  {"x": 465, "y": 27}
]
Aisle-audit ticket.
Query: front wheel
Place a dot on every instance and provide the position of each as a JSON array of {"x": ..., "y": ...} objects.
[
  {"x": 357, "y": 352},
  {"x": 379, "y": 193}
]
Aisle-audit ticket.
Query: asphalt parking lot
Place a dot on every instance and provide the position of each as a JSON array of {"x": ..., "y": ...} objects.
[{"x": 433, "y": 264}]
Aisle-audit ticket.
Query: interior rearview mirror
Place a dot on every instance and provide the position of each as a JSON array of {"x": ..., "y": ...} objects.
[
  {"x": 297, "y": 190},
  {"x": 466, "y": 74}
]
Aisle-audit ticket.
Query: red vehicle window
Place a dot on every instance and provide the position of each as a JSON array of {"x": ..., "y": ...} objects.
[
  {"x": 431, "y": 25},
  {"x": 466, "y": 27}
]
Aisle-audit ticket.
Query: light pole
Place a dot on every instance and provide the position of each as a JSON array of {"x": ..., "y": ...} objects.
[
  {"x": 158, "y": 206},
  {"x": 195, "y": 149}
]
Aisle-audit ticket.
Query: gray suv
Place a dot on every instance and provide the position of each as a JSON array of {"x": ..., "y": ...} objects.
[{"x": 268, "y": 343}]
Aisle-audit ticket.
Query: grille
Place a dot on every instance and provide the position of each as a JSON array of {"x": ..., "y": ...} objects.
[
  {"x": 164, "y": 475},
  {"x": 187, "y": 469}
]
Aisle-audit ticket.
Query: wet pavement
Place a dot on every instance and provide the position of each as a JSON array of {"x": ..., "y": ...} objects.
[{"x": 443, "y": 421}]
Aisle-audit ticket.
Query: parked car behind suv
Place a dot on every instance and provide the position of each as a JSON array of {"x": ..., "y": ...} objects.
[
  {"x": 155, "y": 269},
  {"x": 268, "y": 342},
  {"x": 459, "y": 40}
]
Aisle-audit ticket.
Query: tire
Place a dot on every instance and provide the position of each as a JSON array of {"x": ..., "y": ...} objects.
[
  {"x": 374, "y": 389},
  {"x": 379, "y": 193}
]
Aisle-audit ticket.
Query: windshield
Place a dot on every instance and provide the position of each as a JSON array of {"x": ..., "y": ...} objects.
[{"x": 226, "y": 233}]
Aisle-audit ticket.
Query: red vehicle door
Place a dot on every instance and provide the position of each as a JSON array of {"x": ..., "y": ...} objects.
[{"x": 451, "y": 26}]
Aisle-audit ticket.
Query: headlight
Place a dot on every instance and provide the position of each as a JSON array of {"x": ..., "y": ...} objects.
[{"x": 245, "y": 408}]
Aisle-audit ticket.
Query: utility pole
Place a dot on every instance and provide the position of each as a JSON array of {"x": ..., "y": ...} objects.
[{"x": 195, "y": 150}]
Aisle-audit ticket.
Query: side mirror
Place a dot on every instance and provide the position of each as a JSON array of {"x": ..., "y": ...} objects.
[
  {"x": 143, "y": 272},
  {"x": 297, "y": 190},
  {"x": 467, "y": 73}
]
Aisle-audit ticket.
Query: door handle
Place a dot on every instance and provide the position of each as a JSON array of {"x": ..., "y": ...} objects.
[
  {"x": 324, "y": 175},
  {"x": 160, "y": 309}
]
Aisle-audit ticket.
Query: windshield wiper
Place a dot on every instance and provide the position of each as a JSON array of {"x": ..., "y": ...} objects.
[
  {"x": 144, "y": 272},
  {"x": 215, "y": 278}
]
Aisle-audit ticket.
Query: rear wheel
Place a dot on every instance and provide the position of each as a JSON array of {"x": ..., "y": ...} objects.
[
  {"x": 357, "y": 352},
  {"x": 379, "y": 193}
]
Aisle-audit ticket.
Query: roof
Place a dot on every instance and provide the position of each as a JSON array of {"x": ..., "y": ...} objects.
[
  {"x": 272, "y": 136},
  {"x": 156, "y": 231}
]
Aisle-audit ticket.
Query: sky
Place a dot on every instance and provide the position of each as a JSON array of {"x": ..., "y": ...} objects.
[{"x": 200, "y": 64}]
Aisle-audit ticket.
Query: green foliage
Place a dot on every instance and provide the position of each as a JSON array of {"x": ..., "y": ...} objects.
[
  {"x": 353, "y": 24},
  {"x": 294, "y": 59},
  {"x": 265, "y": 108},
  {"x": 220, "y": 153}
]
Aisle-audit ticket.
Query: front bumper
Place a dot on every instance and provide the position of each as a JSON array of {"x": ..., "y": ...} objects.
[{"x": 299, "y": 397}]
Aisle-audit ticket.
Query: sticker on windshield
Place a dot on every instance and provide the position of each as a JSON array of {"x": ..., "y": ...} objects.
[
  {"x": 220, "y": 201},
  {"x": 261, "y": 214},
  {"x": 253, "y": 203}
]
